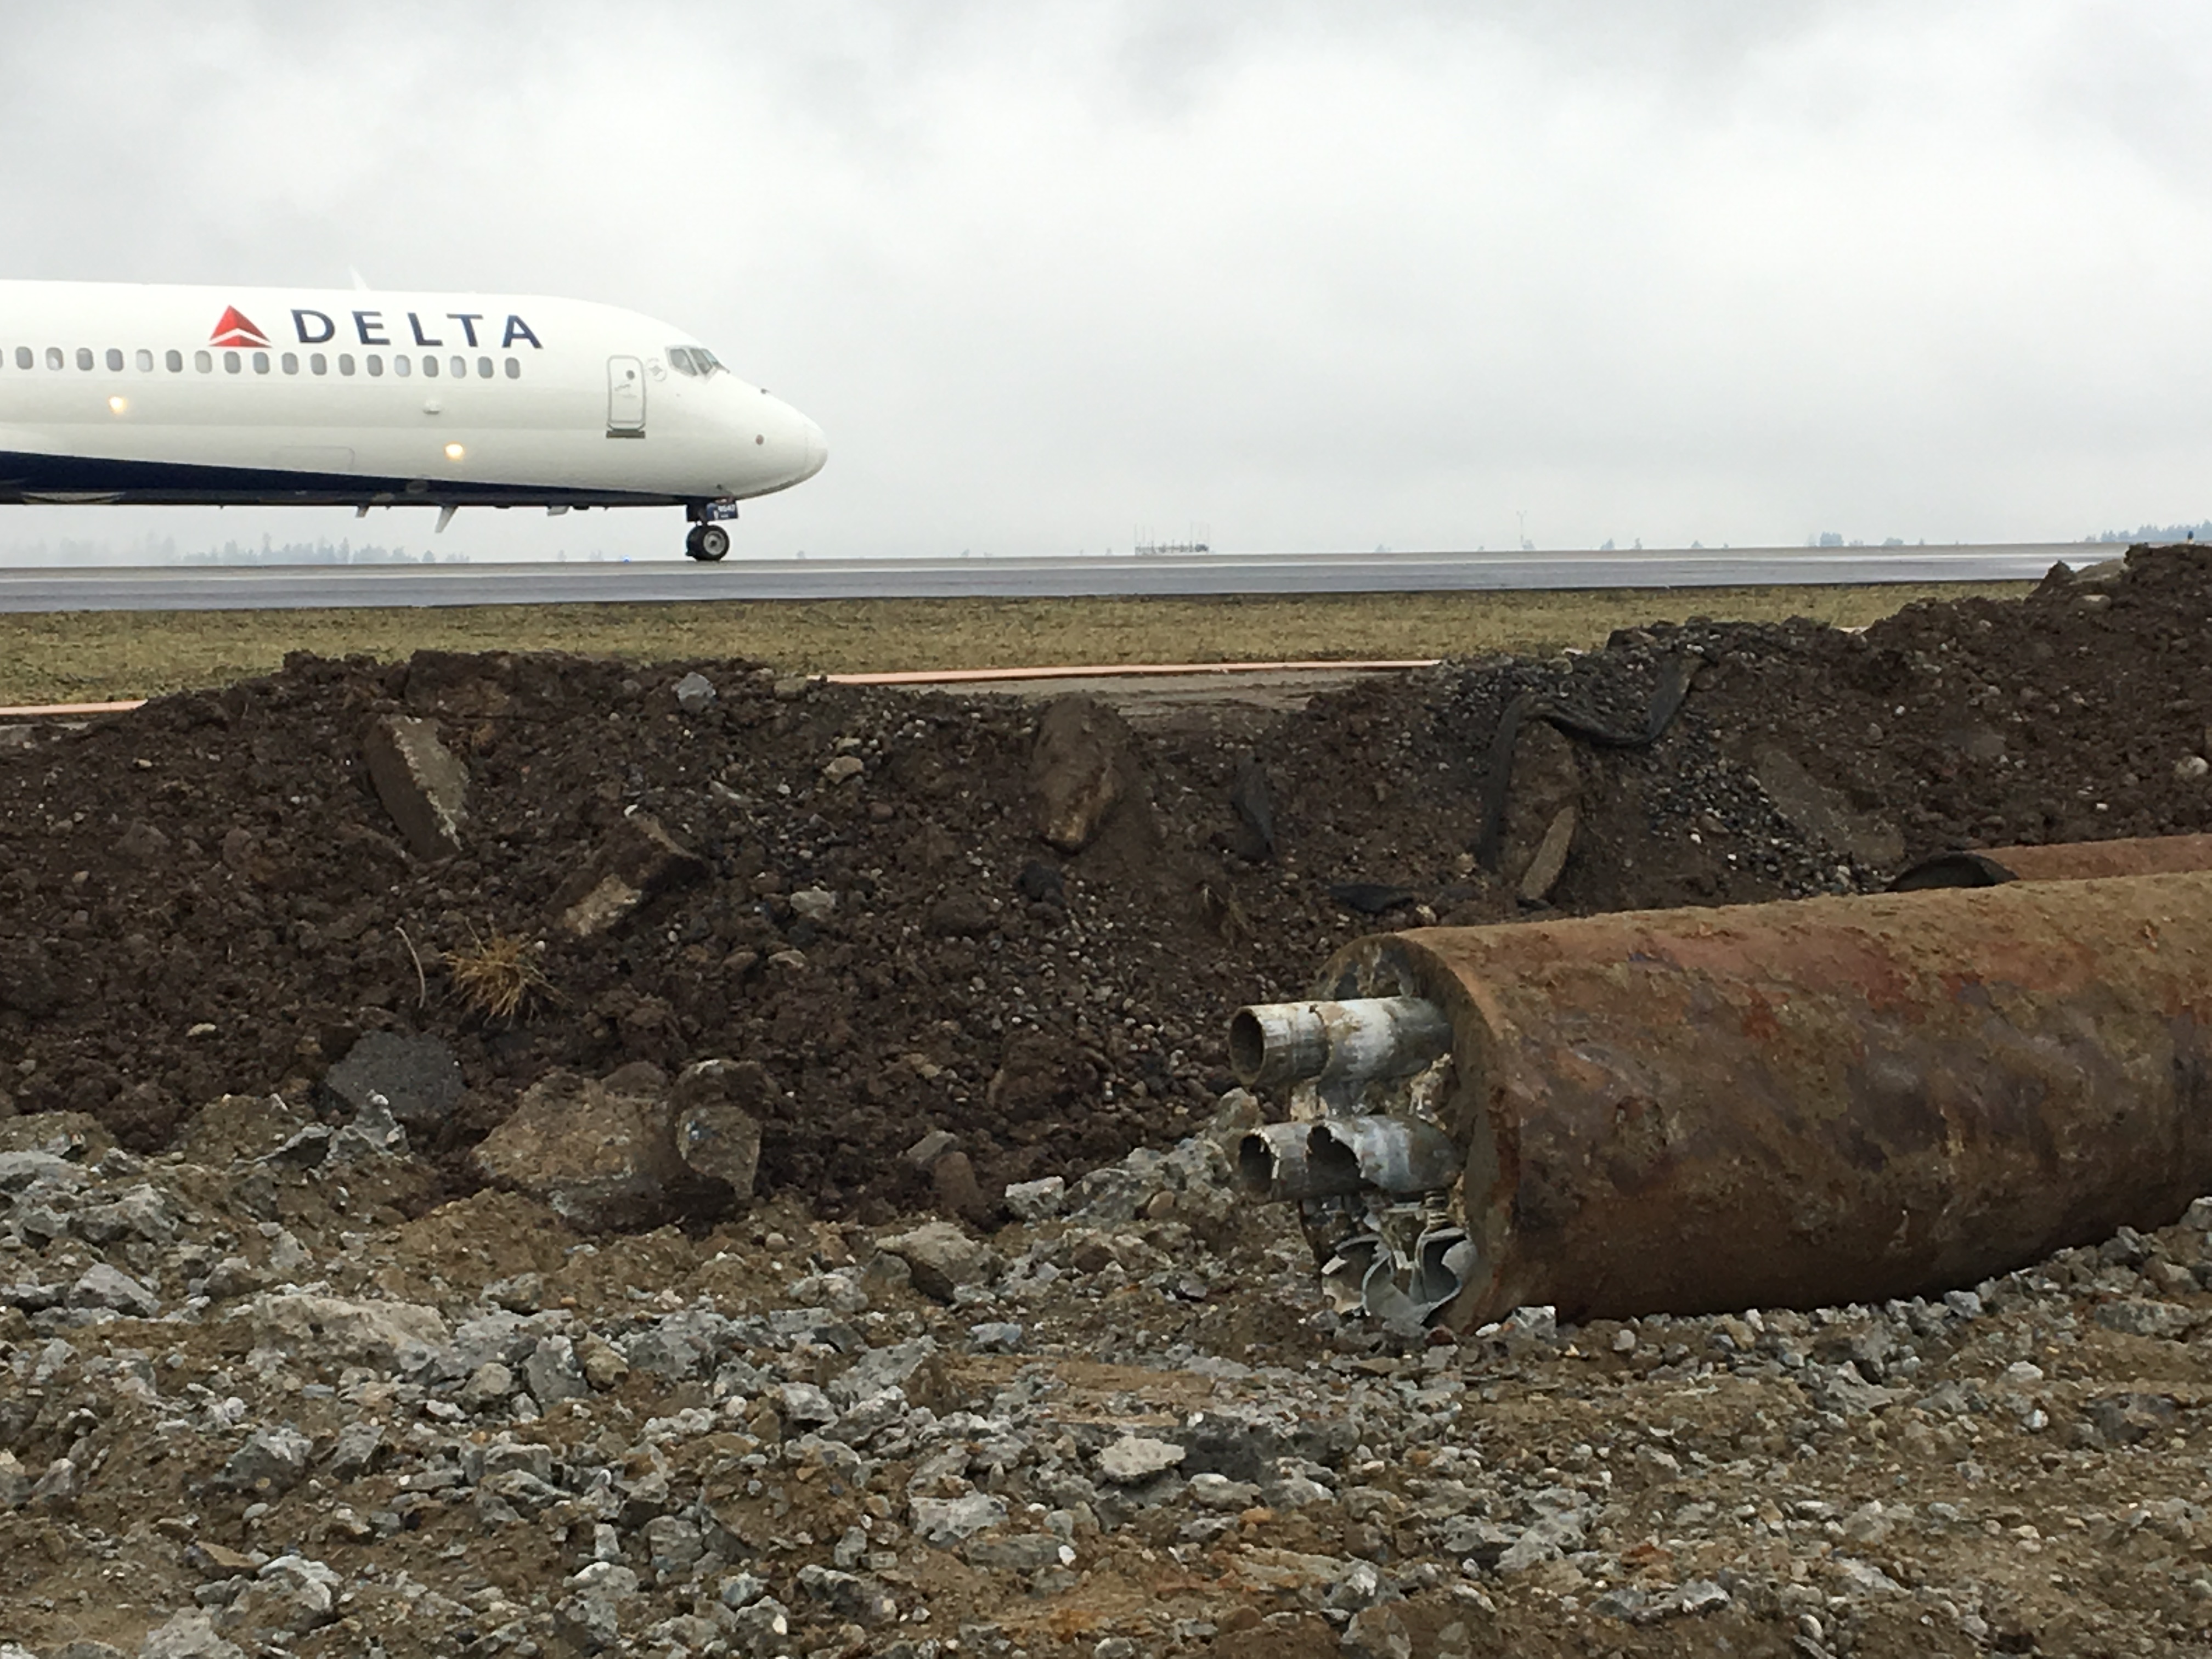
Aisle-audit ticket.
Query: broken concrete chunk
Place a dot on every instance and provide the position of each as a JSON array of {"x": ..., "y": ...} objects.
[
  {"x": 1136, "y": 1458},
  {"x": 271, "y": 1462},
  {"x": 1082, "y": 766},
  {"x": 880, "y": 1369},
  {"x": 695, "y": 693},
  {"x": 554, "y": 1372},
  {"x": 143, "y": 1212},
  {"x": 103, "y": 1286},
  {"x": 942, "y": 1258},
  {"x": 931, "y": 1148},
  {"x": 640, "y": 860},
  {"x": 959, "y": 1194},
  {"x": 417, "y": 1076},
  {"x": 604, "y": 1157},
  {"x": 14, "y": 1482},
  {"x": 719, "y": 1139},
  {"x": 2132, "y": 1317},
  {"x": 813, "y": 903},
  {"x": 190, "y": 1634},
  {"x": 943, "y": 1521},
  {"x": 802, "y": 1402},
  {"x": 421, "y": 782},
  {"x": 1551, "y": 860},
  {"x": 373, "y": 1134},
  {"x": 1546, "y": 781},
  {"x": 384, "y": 1335},
  {"x": 1037, "y": 1200}
]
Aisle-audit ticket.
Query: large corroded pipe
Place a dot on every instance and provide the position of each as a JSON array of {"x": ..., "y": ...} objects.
[
  {"x": 1828, "y": 1101},
  {"x": 2073, "y": 860}
]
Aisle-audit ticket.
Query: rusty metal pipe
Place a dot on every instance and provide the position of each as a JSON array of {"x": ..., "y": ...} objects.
[
  {"x": 2087, "y": 860},
  {"x": 1809, "y": 1104},
  {"x": 1354, "y": 1041}
]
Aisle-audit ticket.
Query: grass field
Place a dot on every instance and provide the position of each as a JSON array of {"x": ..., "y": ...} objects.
[{"x": 100, "y": 656}]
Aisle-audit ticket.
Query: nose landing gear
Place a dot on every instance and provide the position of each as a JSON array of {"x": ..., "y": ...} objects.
[{"x": 707, "y": 542}]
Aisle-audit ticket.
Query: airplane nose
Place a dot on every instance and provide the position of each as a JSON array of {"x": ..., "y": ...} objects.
[{"x": 813, "y": 447}]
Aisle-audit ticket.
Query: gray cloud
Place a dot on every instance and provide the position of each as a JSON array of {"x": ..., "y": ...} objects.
[{"x": 1314, "y": 275}]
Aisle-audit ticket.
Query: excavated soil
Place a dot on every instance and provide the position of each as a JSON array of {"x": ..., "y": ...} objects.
[
  {"x": 207, "y": 898},
  {"x": 206, "y": 895}
]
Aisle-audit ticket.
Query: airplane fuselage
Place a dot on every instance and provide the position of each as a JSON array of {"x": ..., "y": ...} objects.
[{"x": 285, "y": 397}]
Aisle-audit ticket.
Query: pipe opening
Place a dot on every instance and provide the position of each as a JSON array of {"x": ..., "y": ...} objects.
[
  {"x": 1336, "y": 1162},
  {"x": 1247, "y": 1045},
  {"x": 1257, "y": 1168}
]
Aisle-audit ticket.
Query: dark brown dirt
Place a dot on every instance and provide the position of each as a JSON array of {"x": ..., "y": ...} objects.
[{"x": 206, "y": 897}]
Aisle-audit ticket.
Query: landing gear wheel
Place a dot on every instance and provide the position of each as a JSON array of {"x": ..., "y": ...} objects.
[{"x": 707, "y": 542}]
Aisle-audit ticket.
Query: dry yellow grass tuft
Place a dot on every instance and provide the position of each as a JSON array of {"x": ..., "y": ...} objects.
[
  {"x": 498, "y": 976},
  {"x": 95, "y": 656}
]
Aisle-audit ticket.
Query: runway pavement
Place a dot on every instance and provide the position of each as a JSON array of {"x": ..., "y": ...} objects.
[{"x": 236, "y": 587}]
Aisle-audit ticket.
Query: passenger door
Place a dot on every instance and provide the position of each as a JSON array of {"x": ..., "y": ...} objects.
[{"x": 625, "y": 398}]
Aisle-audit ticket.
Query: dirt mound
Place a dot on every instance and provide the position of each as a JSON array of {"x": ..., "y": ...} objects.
[{"x": 209, "y": 895}]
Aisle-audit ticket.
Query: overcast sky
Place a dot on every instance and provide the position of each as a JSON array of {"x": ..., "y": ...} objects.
[{"x": 1309, "y": 275}]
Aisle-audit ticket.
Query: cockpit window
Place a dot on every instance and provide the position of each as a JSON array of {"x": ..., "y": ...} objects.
[{"x": 693, "y": 359}]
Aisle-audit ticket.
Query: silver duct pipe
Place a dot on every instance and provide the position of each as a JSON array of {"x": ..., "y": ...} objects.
[
  {"x": 1393, "y": 1154},
  {"x": 1335, "y": 1156},
  {"x": 1271, "y": 1164},
  {"x": 1327, "y": 1042}
]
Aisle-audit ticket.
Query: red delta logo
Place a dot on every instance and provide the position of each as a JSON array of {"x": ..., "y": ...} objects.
[{"x": 235, "y": 330}]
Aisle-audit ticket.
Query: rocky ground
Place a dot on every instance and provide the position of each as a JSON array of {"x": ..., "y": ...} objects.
[
  {"x": 891, "y": 1299},
  {"x": 254, "y": 1409}
]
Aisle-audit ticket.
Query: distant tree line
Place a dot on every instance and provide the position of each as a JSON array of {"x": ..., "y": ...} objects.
[{"x": 2159, "y": 533}]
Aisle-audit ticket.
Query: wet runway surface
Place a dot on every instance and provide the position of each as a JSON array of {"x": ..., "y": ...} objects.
[{"x": 337, "y": 586}]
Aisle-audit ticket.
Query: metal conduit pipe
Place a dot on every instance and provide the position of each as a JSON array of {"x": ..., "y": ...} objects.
[
  {"x": 1358, "y": 1040},
  {"x": 1335, "y": 1156},
  {"x": 1271, "y": 1164},
  {"x": 1813, "y": 1102},
  {"x": 1390, "y": 1154}
]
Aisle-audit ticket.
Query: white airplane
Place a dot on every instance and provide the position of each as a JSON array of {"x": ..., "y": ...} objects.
[{"x": 288, "y": 397}]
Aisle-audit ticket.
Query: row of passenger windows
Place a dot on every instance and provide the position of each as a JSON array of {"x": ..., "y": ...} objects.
[{"x": 235, "y": 362}]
